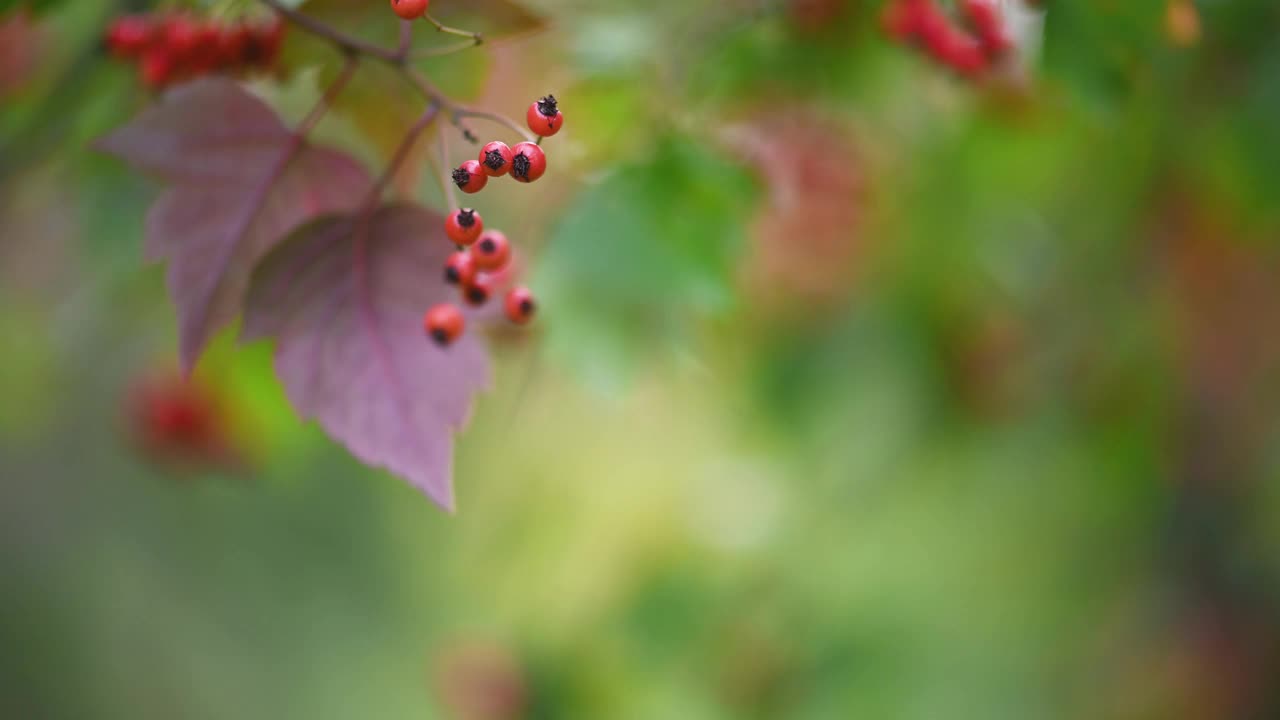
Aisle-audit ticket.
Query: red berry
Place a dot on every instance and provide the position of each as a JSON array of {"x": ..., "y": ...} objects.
[
  {"x": 529, "y": 162},
  {"x": 470, "y": 177},
  {"x": 520, "y": 305},
  {"x": 181, "y": 39},
  {"x": 463, "y": 226},
  {"x": 444, "y": 323},
  {"x": 544, "y": 116},
  {"x": 233, "y": 45},
  {"x": 492, "y": 251},
  {"x": 128, "y": 37},
  {"x": 495, "y": 158},
  {"x": 986, "y": 21},
  {"x": 207, "y": 57},
  {"x": 460, "y": 269},
  {"x": 478, "y": 291},
  {"x": 156, "y": 68},
  {"x": 410, "y": 9}
]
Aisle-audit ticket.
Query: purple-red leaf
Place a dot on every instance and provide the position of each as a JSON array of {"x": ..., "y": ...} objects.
[
  {"x": 345, "y": 297},
  {"x": 239, "y": 183}
]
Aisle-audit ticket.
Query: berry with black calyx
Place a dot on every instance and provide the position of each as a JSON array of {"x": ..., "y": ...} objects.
[
  {"x": 444, "y": 323},
  {"x": 496, "y": 158},
  {"x": 410, "y": 9},
  {"x": 544, "y": 116},
  {"x": 460, "y": 268},
  {"x": 520, "y": 305},
  {"x": 492, "y": 251},
  {"x": 463, "y": 226},
  {"x": 529, "y": 163},
  {"x": 478, "y": 291},
  {"x": 469, "y": 177}
]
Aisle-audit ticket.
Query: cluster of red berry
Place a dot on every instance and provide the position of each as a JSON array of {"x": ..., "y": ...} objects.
[
  {"x": 172, "y": 47},
  {"x": 969, "y": 51},
  {"x": 179, "y": 424},
  {"x": 484, "y": 257}
]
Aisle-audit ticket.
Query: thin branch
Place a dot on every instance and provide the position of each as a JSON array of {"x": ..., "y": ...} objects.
[
  {"x": 444, "y": 176},
  {"x": 444, "y": 49},
  {"x": 399, "y": 57},
  {"x": 406, "y": 39},
  {"x": 328, "y": 98},
  {"x": 476, "y": 37},
  {"x": 465, "y": 112}
]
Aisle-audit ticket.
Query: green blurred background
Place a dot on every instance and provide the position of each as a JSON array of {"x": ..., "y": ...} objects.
[{"x": 859, "y": 390}]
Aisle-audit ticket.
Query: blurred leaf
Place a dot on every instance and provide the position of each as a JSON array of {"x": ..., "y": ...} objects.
[
  {"x": 239, "y": 185},
  {"x": 649, "y": 249}
]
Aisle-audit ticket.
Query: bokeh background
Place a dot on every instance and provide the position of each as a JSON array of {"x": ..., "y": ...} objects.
[{"x": 860, "y": 389}]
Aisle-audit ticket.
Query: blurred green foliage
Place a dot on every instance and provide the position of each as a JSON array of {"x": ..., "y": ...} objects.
[{"x": 1022, "y": 466}]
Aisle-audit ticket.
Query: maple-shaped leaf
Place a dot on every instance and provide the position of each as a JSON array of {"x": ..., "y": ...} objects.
[
  {"x": 344, "y": 297},
  {"x": 239, "y": 183}
]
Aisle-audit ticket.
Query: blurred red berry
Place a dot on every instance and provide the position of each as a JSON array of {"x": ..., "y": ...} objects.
[
  {"x": 129, "y": 36},
  {"x": 156, "y": 68},
  {"x": 459, "y": 269},
  {"x": 479, "y": 290},
  {"x": 492, "y": 251},
  {"x": 520, "y": 305},
  {"x": 444, "y": 323},
  {"x": 985, "y": 18}
]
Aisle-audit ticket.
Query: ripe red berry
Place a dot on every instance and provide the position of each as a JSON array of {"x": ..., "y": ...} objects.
[
  {"x": 444, "y": 323},
  {"x": 495, "y": 158},
  {"x": 233, "y": 44},
  {"x": 463, "y": 226},
  {"x": 469, "y": 177},
  {"x": 985, "y": 18},
  {"x": 544, "y": 116},
  {"x": 478, "y": 291},
  {"x": 529, "y": 162},
  {"x": 129, "y": 36},
  {"x": 156, "y": 68},
  {"x": 206, "y": 57},
  {"x": 410, "y": 9},
  {"x": 520, "y": 305},
  {"x": 181, "y": 38},
  {"x": 460, "y": 268},
  {"x": 492, "y": 251}
]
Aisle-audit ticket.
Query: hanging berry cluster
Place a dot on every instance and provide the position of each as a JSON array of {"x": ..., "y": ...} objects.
[
  {"x": 483, "y": 257},
  {"x": 971, "y": 50},
  {"x": 173, "y": 47},
  {"x": 292, "y": 224}
]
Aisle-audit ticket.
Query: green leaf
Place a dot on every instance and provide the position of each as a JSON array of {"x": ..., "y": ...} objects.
[{"x": 644, "y": 254}]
